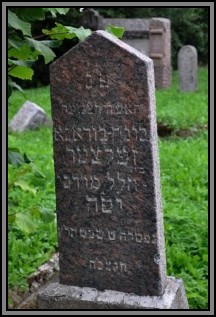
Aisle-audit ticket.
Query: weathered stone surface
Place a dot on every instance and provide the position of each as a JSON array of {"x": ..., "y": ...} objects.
[
  {"x": 107, "y": 171},
  {"x": 160, "y": 51},
  {"x": 187, "y": 68},
  {"x": 29, "y": 116},
  {"x": 59, "y": 296}
]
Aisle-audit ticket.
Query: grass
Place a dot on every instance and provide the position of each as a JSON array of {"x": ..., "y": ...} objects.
[
  {"x": 184, "y": 109},
  {"x": 184, "y": 179}
]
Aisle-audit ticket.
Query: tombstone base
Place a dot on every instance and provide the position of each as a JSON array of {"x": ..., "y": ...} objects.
[{"x": 59, "y": 296}]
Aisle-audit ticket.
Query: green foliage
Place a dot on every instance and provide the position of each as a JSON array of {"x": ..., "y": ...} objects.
[
  {"x": 61, "y": 32},
  {"x": 185, "y": 203},
  {"x": 23, "y": 49},
  {"x": 115, "y": 30},
  {"x": 17, "y": 24}
]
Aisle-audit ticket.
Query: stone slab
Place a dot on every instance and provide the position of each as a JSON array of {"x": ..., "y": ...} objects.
[
  {"x": 29, "y": 116},
  {"x": 108, "y": 196},
  {"x": 59, "y": 296},
  {"x": 187, "y": 68}
]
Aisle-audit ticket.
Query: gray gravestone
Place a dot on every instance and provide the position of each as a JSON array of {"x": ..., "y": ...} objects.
[
  {"x": 108, "y": 197},
  {"x": 29, "y": 116},
  {"x": 151, "y": 37},
  {"x": 187, "y": 68}
]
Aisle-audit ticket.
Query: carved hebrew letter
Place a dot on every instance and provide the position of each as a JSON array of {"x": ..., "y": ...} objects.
[
  {"x": 95, "y": 133},
  {"x": 57, "y": 134},
  {"x": 99, "y": 265},
  {"x": 99, "y": 234},
  {"x": 92, "y": 264},
  {"x": 123, "y": 156},
  {"x": 92, "y": 204},
  {"x": 95, "y": 160},
  {"x": 132, "y": 185},
  {"x": 83, "y": 153},
  {"x": 111, "y": 235},
  {"x": 111, "y": 180},
  {"x": 104, "y": 136},
  {"x": 121, "y": 180},
  {"x": 95, "y": 183},
  {"x": 106, "y": 205},
  {"x": 146, "y": 238},
  {"x": 66, "y": 182},
  {"x": 135, "y": 130},
  {"x": 103, "y": 83},
  {"x": 88, "y": 133},
  {"x": 108, "y": 265},
  {"x": 115, "y": 266},
  {"x": 76, "y": 135},
  {"x": 89, "y": 81},
  {"x": 123, "y": 267},
  {"x": 91, "y": 234},
  {"x": 119, "y": 201},
  {"x": 110, "y": 151},
  {"x": 83, "y": 233},
  {"x": 134, "y": 156},
  {"x": 73, "y": 153},
  {"x": 73, "y": 232},
  {"x": 138, "y": 237},
  {"x": 123, "y": 236},
  {"x": 127, "y": 137},
  {"x": 77, "y": 181},
  {"x": 143, "y": 133}
]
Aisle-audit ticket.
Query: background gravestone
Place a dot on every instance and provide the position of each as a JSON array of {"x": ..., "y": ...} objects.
[
  {"x": 160, "y": 51},
  {"x": 108, "y": 199},
  {"x": 151, "y": 37},
  {"x": 29, "y": 116},
  {"x": 187, "y": 68}
]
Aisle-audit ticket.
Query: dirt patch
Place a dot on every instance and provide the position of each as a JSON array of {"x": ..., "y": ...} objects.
[{"x": 166, "y": 130}]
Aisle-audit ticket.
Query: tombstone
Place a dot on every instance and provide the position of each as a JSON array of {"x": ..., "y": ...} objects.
[
  {"x": 29, "y": 116},
  {"x": 187, "y": 68},
  {"x": 136, "y": 32},
  {"x": 160, "y": 51},
  {"x": 110, "y": 222},
  {"x": 151, "y": 37}
]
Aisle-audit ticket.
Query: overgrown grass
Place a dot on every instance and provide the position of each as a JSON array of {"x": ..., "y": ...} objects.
[{"x": 184, "y": 190}]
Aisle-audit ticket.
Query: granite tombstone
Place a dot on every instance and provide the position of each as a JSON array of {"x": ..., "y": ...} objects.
[
  {"x": 187, "y": 68},
  {"x": 108, "y": 199}
]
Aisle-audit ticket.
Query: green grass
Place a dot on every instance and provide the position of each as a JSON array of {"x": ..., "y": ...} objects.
[
  {"x": 184, "y": 109},
  {"x": 184, "y": 179}
]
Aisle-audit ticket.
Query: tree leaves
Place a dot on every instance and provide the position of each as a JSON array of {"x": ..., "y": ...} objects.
[
  {"x": 22, "y": 53},
  {"x": 43, "y": 49},
  {"x": 25, "y": 222},
  {"x": 81, "y": 33},
  {"x": 21, "y": 72},
  {"x": 115, "y": 30},
  {"x": 18, "y": 24},
  {"x": 30, "y": 14},
  {"x": 15, "y": 158},
  {"x": 61, "y": 32},
  {"x": 54, "y": 11},
  {"x": 25, "y": 186}
]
